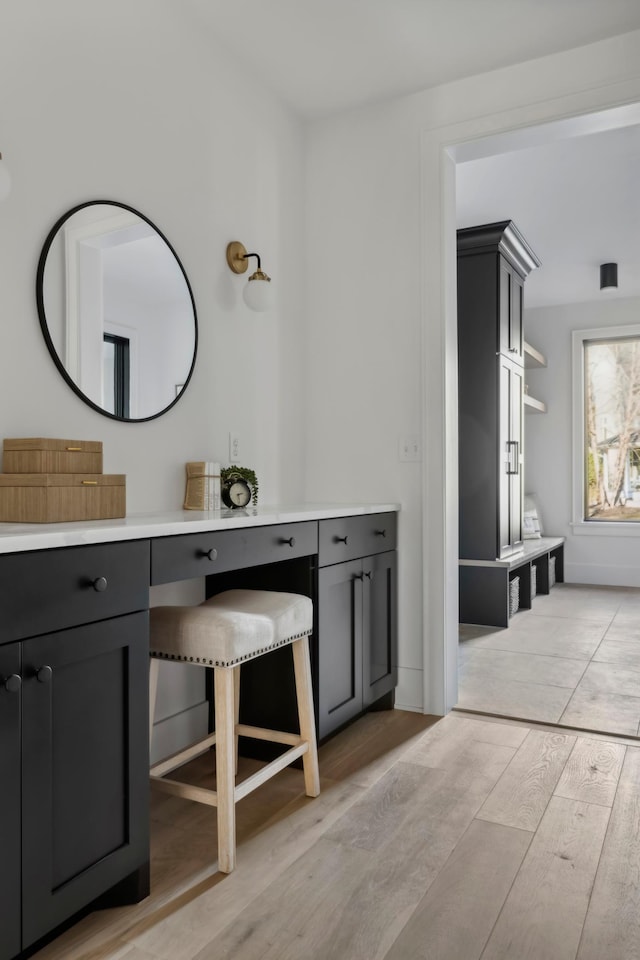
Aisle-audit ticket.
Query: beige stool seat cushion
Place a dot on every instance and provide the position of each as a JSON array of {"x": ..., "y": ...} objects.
[{"x": 231, "y": 627}]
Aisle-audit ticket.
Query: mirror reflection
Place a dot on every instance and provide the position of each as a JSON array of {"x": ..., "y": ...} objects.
[{"x": 117, "y": 311}]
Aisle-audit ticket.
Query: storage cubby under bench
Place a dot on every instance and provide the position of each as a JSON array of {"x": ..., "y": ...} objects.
[{"x": 488, "y": 593}]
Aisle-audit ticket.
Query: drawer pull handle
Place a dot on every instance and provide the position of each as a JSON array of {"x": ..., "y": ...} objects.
[
  {"x": 13, "y": 683},
  {"x": 291, "y": 541},
  {"x": 380, "y": 533},
  {"x": 340, "y": 539},
  {"x": 358, "y": 576},
  {"x": 44, "y": 674},
  {"x": 99, "y": 584},
  {"x": 367, "y": 574},
  {"x": 211, "y": 554},
  {"x": 89, "y": 483},
  {"x": 74, "y": 449}
]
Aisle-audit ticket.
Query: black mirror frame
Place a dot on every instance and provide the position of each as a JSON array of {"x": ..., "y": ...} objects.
[{"x": 43, "y": 316}]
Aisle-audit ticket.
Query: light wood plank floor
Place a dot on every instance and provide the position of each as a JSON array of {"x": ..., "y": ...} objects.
[
  {"x": 464, "y": 838},
  {"x": 573, "y": 659}
]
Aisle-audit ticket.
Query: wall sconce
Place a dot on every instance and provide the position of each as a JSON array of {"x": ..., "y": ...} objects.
[
  {"x": 5, "y": 180},
  {"x": 257, "y": 292},
  {"x": 608, "y": 275}
]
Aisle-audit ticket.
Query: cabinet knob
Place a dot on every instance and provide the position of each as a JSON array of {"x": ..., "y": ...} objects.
[
  {"x": 513, "y": 350},
  {"x": 99, "y": 584},
  {"x": 340, "y": 539},
  {"x": 211, "y": 554},
  {"x": 380, "y": 533},
  {"x": 358, "y": 576},
  {"x": 367, "y": 574},
  {"x": 291, "y": 541},
  {"x": 44, "y": 674},
  {"x": 13, "y": 683}
]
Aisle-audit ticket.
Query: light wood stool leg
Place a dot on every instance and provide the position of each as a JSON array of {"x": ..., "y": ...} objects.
[
  {"x": 154, "y": 668},
  {"x": 236, "y": 713},
  {"x": 304, "y": 696},
  {"x": 225, "y": 780}
]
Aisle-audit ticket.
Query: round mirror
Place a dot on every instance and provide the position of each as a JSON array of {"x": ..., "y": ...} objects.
[{"x": 117, "y": 311}]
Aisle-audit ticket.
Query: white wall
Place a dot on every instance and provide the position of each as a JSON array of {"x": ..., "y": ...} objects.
[
  {"x": 132, "y": 102},
  {"x": 381, "y": 313},
  {"x": 549, "y": 442}
]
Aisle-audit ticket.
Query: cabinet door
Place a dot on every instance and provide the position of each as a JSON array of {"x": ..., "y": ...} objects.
[
  {"x": 505, "y": 459},
  {"x": 510, "y": 313},
  {"x": 339, "y": 645},
  {"x": 380, "y": 639},
  {"x": 509, "y": 458},
  {"x": 9, "y": 805},
  {"x": 85, "y": 766},
  {"x": 516, "y": 390}
]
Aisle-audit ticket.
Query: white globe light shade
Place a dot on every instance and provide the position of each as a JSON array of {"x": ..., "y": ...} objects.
[
  {"x": 5, "y": 180},
  {"x": 258, "y": 295}
]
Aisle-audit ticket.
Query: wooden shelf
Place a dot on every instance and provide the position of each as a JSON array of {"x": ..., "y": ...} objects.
[
  {"x": 533, "y": 357},
  {"x": 531, "y": 405}
]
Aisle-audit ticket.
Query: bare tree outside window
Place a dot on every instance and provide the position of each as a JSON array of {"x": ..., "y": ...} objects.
[{"x": 612, "y": 429}]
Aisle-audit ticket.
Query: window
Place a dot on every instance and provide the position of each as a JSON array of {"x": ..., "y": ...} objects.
[
  {"x": 608, "y": 436},
  {"x": 116, "y": 390}
]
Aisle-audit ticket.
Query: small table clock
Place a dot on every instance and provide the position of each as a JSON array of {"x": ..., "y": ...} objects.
[{"x": 236, "y": 493}]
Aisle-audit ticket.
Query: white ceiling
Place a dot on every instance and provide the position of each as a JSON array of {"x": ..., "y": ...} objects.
[
  {"x": 576, "y": 200},
  {"x": 321, "y": 56}
]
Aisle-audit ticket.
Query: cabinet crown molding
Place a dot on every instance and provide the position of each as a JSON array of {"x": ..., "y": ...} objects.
[{"x": 503, "y": 237}]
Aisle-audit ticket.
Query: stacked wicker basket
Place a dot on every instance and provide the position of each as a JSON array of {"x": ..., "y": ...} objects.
[{"x": 49, "y": 481}]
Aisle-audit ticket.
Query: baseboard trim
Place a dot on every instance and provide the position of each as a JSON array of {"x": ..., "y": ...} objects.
[{"x": 600, "y": 575}]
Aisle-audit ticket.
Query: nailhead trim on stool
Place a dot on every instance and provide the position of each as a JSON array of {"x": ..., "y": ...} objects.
[{"x": 231, "y": 627}]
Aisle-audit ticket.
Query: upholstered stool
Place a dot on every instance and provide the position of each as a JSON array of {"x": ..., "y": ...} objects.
[{"x": 222, "y": 633}]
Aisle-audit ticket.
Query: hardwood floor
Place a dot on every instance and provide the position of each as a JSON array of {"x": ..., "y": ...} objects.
[
  {"x": 573, "y": 659},
  {"x": 464, "y": 838}
]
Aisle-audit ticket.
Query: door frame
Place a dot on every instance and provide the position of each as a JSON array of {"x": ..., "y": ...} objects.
[{"x": 563, "y": 117}]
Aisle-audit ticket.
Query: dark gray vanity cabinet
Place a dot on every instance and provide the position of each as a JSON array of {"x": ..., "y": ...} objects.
[
  {"x": 493, "y": 262},
  {"x": 357, "y": 616},
  {"x": 380, "y": 638},
  {"x": 74, "y": 750},
  {"x": 10, "y": 857}
]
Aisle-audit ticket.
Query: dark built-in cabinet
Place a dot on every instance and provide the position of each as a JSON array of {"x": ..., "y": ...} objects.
[
  {"x": 74, "y": 655},
  {"x": 348, "y": 566},
  {"x": 357, "y": 621},
  {"x": 73, "y": 735},
  {"x": 493, "y": 262}
]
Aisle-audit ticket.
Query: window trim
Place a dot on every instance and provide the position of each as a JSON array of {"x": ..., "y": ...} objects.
[{"x": 579, "y": 525}]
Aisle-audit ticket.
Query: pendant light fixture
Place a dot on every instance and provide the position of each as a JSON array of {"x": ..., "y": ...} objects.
[
  {"x": 257, "y": 293},
  {"x": 5, "y": 180}
]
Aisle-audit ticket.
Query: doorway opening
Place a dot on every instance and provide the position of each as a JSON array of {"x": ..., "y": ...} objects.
[{"x": 573, "y": 657}]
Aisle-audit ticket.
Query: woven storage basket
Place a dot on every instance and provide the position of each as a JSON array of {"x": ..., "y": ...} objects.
[
  {"x": 514, "y": 595},
  {"x": 59, "y": 497},
  {"x": 552, "y": 571},
  {"x": 47, "y": 455}
]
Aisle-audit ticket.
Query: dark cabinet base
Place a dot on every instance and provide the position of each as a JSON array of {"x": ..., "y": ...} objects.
[
  {"x": 485, "y": 588},
  {"x": 127, "y": 892}
]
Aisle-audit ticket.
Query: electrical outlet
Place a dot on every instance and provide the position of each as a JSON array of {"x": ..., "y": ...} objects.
[
  {"x": 409, "y": 449},
  {"x": 234, "y": 447}
]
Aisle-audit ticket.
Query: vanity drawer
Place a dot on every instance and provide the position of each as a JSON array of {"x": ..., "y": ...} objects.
[
  {"x": 201, "y": 554},
  {"x": 49, "y": 590},
  {"x": 347, "y": 538}
]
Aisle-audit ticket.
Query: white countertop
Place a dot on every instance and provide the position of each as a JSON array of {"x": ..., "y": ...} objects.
[
  {"x": 530, "y": 550},
  {"x": 18, "y": 537}
]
